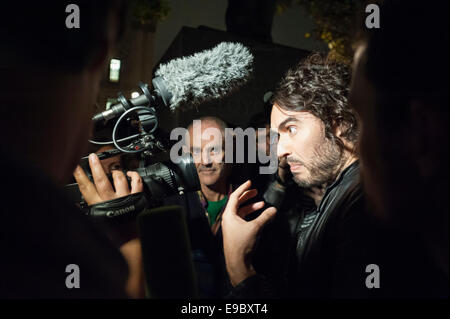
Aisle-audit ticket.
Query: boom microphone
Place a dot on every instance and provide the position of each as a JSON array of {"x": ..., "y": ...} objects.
[
  {"x": 189, "y": 81},
  {"x": 206, "y": 75}
]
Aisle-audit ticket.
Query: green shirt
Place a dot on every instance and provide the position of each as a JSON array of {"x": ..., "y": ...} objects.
[{"x": 214, "y": 208}]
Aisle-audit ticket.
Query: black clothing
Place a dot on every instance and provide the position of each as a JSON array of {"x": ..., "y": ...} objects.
[
  {"x": 406, "y": 266},
  {"x": 273, "y": 253},
  {"x": 41, "y": 234},
  {"x": 207, "y": 251},
  {"x": 325, "y": 253}
]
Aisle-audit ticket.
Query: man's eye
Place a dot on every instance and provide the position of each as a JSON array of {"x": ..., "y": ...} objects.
[
  {"x": 292, "y": 129},
  {"x": 115, "y": 167}
]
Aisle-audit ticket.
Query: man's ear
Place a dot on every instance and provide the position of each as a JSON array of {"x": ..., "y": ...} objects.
[{"x": 338, "y": 130}]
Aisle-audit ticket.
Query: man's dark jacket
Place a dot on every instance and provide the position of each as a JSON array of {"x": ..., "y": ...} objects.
[
  {"x": 325, "y": 252},
  {"x": 321, "y": 253}
]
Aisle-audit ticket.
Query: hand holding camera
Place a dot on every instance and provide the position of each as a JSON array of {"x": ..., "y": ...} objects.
[{"x": 102, "y": 190}]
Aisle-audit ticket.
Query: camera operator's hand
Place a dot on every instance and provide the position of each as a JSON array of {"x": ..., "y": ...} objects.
[
  {"x": 102, "y": 190},
  {"x": 239, "y": 235}
]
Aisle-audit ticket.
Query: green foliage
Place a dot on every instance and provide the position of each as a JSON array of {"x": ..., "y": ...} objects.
[
  {"x": 335, "y": 22},
  {"x": 146, "y": 13}
]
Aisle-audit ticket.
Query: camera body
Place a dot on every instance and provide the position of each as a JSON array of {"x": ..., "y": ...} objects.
[{"x": 161, "y": 177}]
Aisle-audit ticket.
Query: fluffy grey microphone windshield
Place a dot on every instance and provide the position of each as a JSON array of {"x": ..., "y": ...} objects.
[{"x": 206, "y": 75}]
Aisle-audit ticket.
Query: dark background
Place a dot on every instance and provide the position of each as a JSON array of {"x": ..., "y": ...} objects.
[
  {"x": 277, "y": 41},
  {"x": 270, "y": 63}
]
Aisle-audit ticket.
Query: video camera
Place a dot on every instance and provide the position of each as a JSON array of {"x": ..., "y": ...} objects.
[
  {"x": 160, "y": 175},
  {"x": 181, "y": 83}
]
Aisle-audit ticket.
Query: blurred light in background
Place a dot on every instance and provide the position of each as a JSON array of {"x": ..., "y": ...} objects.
[{"x": 114, "y": 70}]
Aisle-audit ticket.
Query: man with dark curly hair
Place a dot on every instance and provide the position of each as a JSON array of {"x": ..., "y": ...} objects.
[
  {"x": 313, "y": 96},
  {"x": 317, "y": 134}
]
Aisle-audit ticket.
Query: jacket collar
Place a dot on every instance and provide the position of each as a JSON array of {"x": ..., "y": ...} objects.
[
  {"x": 348, "y": 171},
  {"x": 346, "y": 174}
]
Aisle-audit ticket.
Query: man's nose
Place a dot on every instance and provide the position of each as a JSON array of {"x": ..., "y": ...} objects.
[
  {"x": 206, "y": 158},
  {"x": 282, "y": 147}
]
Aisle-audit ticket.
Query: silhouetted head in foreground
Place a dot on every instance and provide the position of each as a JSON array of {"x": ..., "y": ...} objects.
[
  {"x": 51, "y": 76},
  {"x": 400, "y": 91}
]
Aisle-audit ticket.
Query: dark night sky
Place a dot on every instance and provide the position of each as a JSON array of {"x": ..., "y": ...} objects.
[{"x": 288, "y": 28}]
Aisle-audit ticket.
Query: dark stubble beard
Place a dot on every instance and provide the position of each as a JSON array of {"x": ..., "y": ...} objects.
[{"x": 324, "y": 168}]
